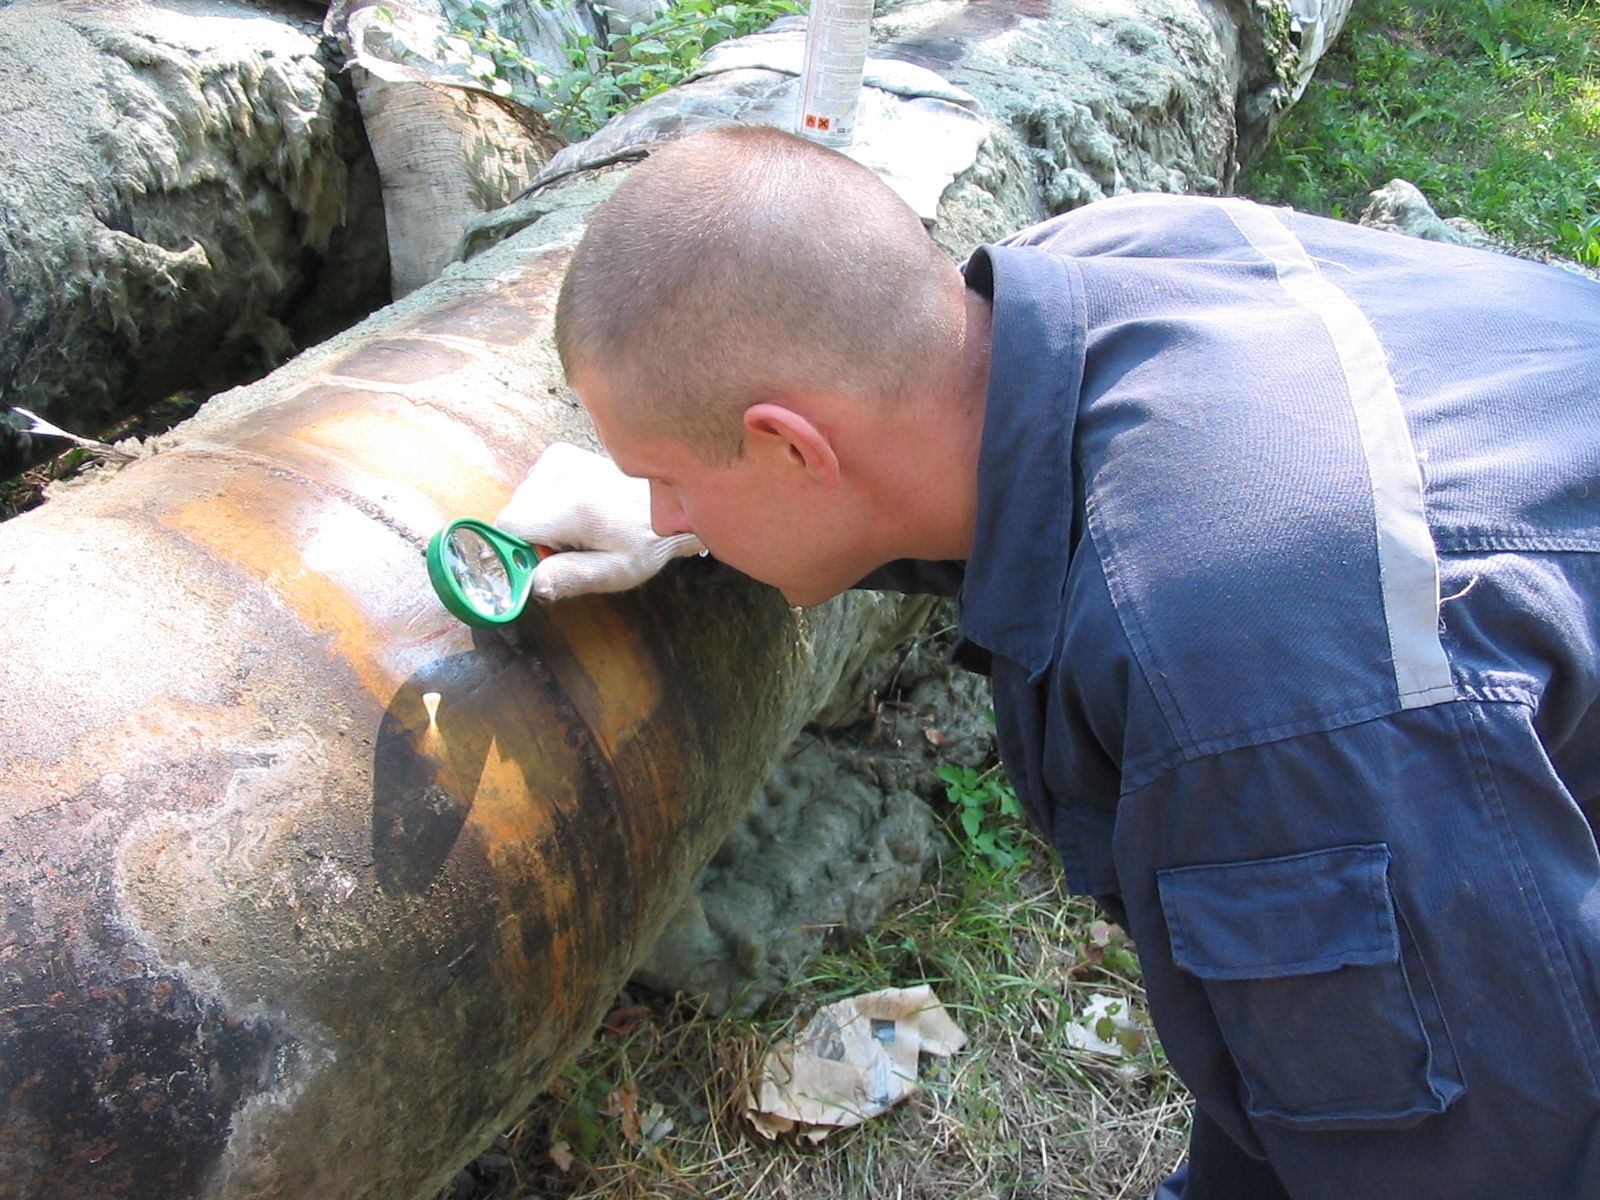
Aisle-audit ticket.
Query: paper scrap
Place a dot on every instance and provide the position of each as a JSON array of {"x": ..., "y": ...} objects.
[
  {"x": 853, "y": 1060},
  {"x": 1109, "y": 1026}
]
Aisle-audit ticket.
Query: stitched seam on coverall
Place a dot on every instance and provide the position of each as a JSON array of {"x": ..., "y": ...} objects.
[{"x": 1558, "y": 960}]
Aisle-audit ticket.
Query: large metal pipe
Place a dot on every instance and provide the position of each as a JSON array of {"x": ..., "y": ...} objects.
[{"x": 266, "y": 917}]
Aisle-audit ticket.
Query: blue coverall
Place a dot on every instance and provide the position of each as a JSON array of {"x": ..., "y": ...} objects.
[{"x": 1286, "y": 575}]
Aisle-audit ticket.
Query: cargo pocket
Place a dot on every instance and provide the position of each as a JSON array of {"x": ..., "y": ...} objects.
[{"x": 1317, "y": 986}]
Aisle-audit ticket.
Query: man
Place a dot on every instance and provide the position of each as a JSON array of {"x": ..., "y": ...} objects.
[{"x": 1279, "y": 540}]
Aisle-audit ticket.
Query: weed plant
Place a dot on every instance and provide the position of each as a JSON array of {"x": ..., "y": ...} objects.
[
  {"x": 1491, "y": 107},
  {"x": 605, "y": 75},
  {"x": 988, "y": 813}
]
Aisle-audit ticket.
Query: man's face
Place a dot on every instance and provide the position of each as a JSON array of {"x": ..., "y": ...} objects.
[{"x": 759, "y": 514}]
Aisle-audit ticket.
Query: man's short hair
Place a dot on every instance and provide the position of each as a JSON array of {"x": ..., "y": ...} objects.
[{"x": 746, "y": 264}]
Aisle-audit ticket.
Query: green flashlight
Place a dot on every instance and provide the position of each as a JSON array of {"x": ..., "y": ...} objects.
[{"x": 484, "y": 575}]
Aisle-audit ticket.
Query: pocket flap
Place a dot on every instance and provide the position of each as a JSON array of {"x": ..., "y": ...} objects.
[{"x": 1273, "y": 917}]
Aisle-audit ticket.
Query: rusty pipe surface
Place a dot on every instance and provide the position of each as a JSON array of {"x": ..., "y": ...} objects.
[{"x": 273, "y": 924}]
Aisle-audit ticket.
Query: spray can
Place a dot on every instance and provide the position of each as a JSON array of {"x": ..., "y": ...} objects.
[{"x": 837, "y": 33}]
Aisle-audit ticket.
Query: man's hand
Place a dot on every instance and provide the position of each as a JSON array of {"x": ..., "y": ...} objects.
[{"x": 578, "y": 503}]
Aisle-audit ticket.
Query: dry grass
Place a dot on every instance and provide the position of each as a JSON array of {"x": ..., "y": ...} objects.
[{"x": 653, "y": 1107}]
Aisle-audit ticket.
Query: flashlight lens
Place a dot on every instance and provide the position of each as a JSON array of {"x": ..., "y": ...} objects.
[{"x": 479, "y": 571}]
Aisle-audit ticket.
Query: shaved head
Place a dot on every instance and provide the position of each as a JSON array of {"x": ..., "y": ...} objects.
[{"x": 744, "y": 265}]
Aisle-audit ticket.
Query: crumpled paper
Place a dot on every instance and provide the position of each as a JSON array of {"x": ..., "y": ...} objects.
[
  {"x": 853, "y": 1060},
  {"x": 1106, "y": 1025},
  {"x": 1109, "y": 1025}
]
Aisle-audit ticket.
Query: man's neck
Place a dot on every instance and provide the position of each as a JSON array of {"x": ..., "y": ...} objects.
[
  {"x": 930, "y": 491},
  {"x": 970, "y": 406}
]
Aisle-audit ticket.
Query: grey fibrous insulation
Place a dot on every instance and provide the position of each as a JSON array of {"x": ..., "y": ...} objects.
[{"x": 186, "y": 199}]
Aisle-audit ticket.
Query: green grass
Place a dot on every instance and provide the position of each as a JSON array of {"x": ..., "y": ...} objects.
[
  {"x": 1491, "y": 107},
  {"x": 654, "y": 1109}
]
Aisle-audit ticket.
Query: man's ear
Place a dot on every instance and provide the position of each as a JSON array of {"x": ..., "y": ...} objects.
[{"x": 794, "y": 436}]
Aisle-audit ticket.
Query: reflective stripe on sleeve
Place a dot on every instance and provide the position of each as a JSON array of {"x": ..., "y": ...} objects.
[{"x": 1407, "y": 564}]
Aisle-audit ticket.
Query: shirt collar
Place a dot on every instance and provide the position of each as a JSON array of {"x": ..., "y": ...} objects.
[{"x": 1010, "y": 601}]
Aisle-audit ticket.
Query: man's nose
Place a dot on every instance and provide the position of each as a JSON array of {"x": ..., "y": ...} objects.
[{"x": 666, "y": 514}]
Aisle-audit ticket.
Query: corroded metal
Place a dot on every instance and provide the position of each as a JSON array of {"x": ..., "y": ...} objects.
[{"x": 272, "y": 926}]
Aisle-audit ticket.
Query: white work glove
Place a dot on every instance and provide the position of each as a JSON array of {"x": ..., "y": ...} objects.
[{"x": 579, "y": 504}]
